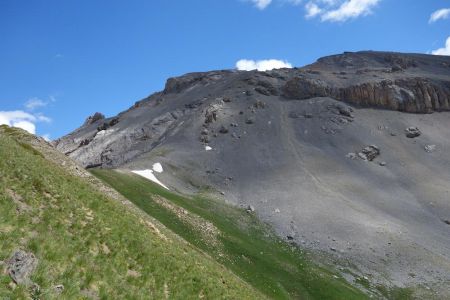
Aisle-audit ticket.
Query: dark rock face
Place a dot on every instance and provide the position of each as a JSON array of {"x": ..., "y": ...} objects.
[
  {"x": 305, "y": 88},
  {"x": 178, "y": 84},
  {"x": 414, "y": 95},
  {"x": 94, "y": 118},
  {"x": 409, "y": 83}
]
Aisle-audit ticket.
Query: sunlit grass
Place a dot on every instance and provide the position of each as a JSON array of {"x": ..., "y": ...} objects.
[{"x": 92, "y": 244}]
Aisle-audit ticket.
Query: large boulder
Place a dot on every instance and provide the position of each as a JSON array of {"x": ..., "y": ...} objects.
[
  {"x": 412, "y": 132},
  {"x": 20, "y": 267}
]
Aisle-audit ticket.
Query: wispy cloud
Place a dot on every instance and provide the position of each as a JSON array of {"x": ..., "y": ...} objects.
[
  {"x": 312, "y": 10},
  {"x": 261, "y": 4},
  {"x": 440, "y": 14},
  {"x": 35, "y": 103},
  {"x": 261, "y": 65},
  {"x": 445, "y": 50},
  {"x": 328, "y": 10}
]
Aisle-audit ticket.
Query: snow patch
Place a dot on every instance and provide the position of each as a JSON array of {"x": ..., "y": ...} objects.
[
  {"x": 150, "y": 176},
  {"x": 208, "y": 148},
  {"x": 100, "y": 133},
  {"x": 103, "y": 133},
  {"x": 157, "y": 168}
]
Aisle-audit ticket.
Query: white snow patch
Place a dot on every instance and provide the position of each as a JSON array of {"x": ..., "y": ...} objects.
[
  {"x": 103, "y": 133},
  {"x": 157, "y": 168},
  {"x": 100, "y": 133},
  {"x": 208, "y": 148},
  {"x": 150, "y": 176}
]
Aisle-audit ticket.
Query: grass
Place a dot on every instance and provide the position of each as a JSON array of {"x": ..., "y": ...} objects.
[
  {"x": 236, "y": 239},
  {"x": 92, "y": 244}
]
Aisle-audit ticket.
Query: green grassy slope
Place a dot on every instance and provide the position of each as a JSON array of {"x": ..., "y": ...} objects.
[
  {"x": 235, "y": 239},
  {"x": 92, "y": 244}
]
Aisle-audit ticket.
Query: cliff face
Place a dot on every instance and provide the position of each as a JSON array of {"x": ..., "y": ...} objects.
[
  {"x": 403, "y": 82},
  {"x": 413, "y": 95}
]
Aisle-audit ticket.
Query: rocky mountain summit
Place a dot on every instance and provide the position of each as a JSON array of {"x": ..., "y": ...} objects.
[{"x": 346, "y": 156}]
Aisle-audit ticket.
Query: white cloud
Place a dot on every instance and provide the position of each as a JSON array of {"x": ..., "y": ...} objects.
[
  {"x": 261, "y": 4},
  {"x": 21, "y": 119},
  {"x": 443, "y": 13},
  {"x": 330, "y": 10},
  {"x": 312, "y": 10},
  {"x": 349, "y": 10},
  {"x": 18, "y": 118},
  {"x": 25, "y": 125},
  {"x": 261, "y": 65},
  {"x": 445, "y": 50},
  {"x": 34, "y": 103},
  {"x": 339, "y": 10}
]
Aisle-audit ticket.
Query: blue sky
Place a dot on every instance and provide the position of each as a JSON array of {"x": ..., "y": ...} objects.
[{"x": 62, "y": 60}]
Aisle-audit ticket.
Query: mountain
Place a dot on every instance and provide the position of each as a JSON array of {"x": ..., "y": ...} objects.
[{"x": 347, "y": 156}]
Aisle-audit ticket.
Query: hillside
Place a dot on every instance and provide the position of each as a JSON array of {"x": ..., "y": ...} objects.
[
  {"x": 347, "y": 156},
  {"x": 65, "y": 235}
]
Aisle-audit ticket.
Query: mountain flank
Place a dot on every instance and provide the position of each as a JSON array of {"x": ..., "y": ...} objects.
[{"x": 347, "y": 157}]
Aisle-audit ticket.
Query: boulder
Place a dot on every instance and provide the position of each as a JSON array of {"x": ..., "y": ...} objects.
[
  {"x": 345, "y": 111},
  {"x": 369, "y": 153},
  {"x": 20, "y": 267},
  {"x": 223, "y": 130},
  {"x": 351, "y": 155},
  {"x": 259, "y": 104},
  {"x": 430, "y": 148},
  {"x": 412, "y": 132}
]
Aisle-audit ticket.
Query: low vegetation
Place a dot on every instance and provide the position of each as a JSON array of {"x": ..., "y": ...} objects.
[
  {"x": 90, "y": 246},
  {"x": 236, "y": 239}
]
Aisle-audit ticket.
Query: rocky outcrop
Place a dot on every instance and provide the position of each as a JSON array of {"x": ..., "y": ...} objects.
[
  {"x": 178, "y": 84},
  {"x": 305, "y": 88},
  {"x": 94, "y": 118},
  {"x": 414, "y": 95}
]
